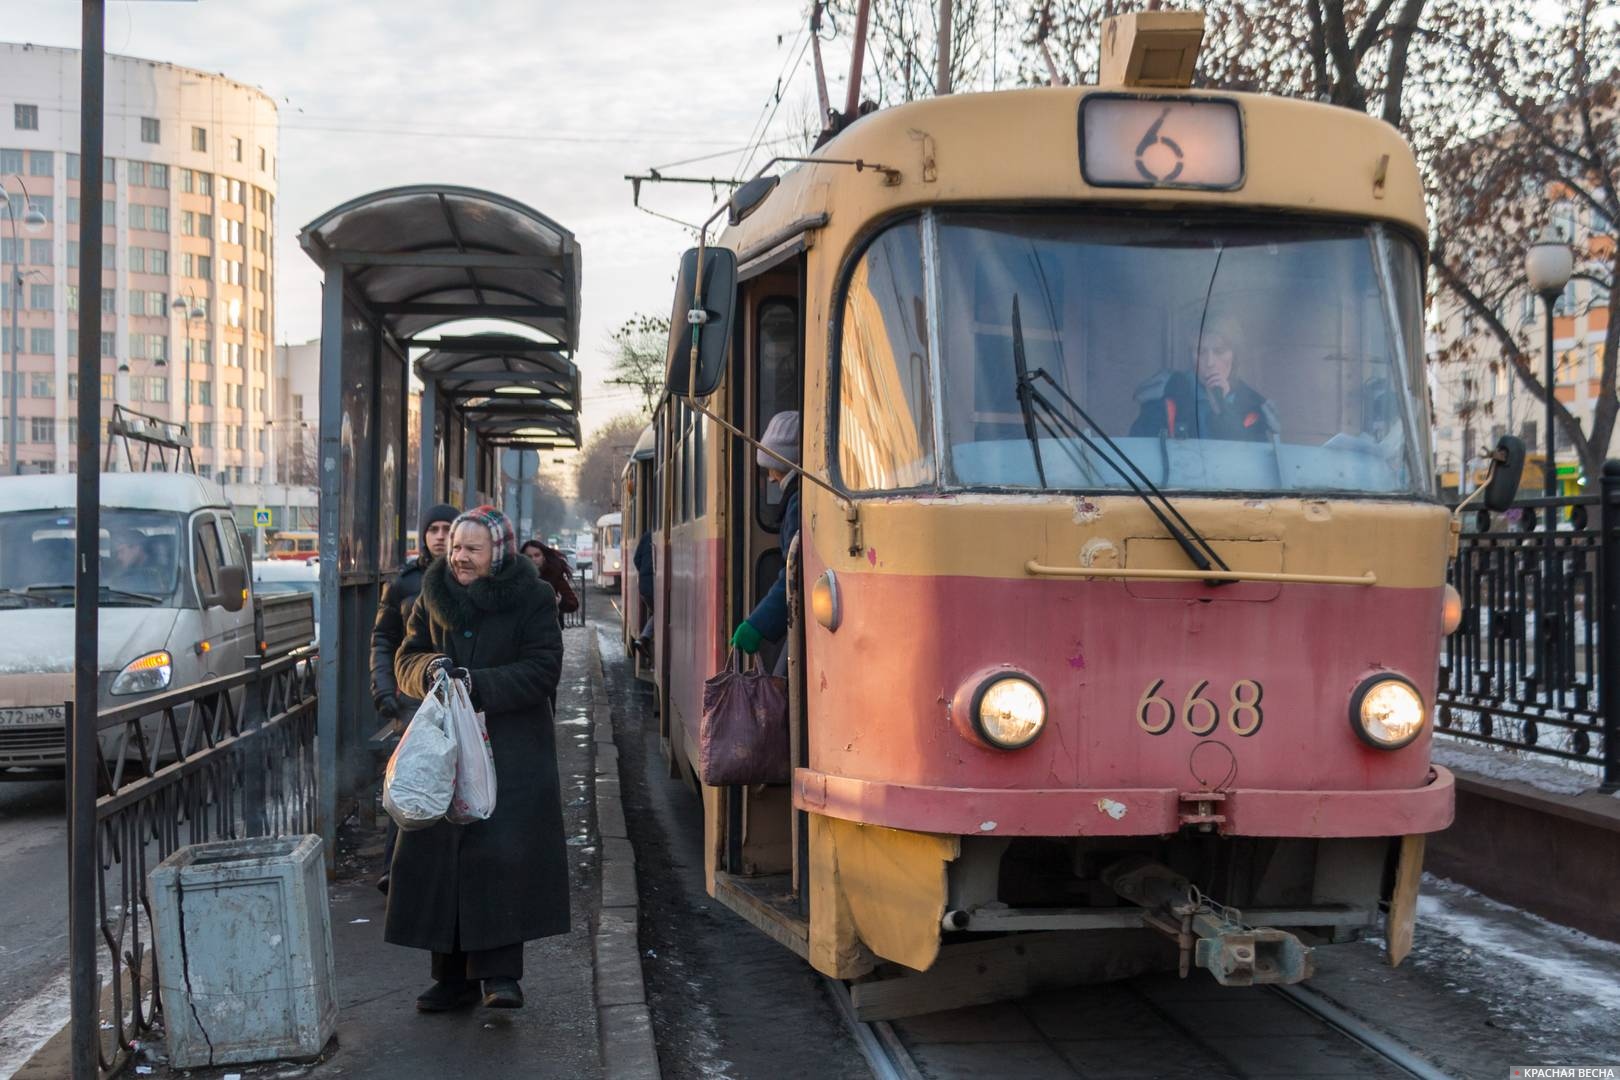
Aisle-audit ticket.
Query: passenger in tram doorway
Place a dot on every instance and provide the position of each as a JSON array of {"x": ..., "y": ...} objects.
[
  {"x": 769, "y": 619},
  {"x": 473, "y": 894},
  {"x": 398, "y": 597},
  {"x": 643, "y": 563},
  {"x": 1209, "y": 402}
]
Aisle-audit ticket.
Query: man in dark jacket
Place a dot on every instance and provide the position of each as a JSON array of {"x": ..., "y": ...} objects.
[
  {"x": 1209, "y": 403},
  {"x": 473, "y": 894},
  {"x": 643, "y": 562},
  {"x": 769, "y": 619},
  {"x": 398, "y": 597}
]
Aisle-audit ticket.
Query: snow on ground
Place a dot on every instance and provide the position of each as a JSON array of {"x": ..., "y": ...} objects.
[
  {"x": 1525, "y": 950},
  {"x": 1502, "y": 763}
]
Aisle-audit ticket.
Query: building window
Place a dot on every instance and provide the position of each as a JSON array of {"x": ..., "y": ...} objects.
[
  {"x": 158, "y": 216},
  {"x": 199, "y": 139},
  {"x": 262, "y": 157},
  {"x": 157, "y": 176},
  {"x": 11, "y": 161},
  {"x": 40, "y": 297},
  {"x": 205, "y": 435},
  {"x": 205, "y": 184},
  {"x": 25, "y": 118},
  {"x": 42, "y": 385},
  {"x": 151, "y": 129},
  {"x": 39, "y": 162},
  {"x": 236, "y": 149},
  {"x": 39, "y": 252},
  {"x": 42, "y": 429},
  {"x": 42, "y": 340},
  {"x": 205, "y": 224}
]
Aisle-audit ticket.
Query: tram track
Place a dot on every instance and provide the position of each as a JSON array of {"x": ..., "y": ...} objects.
[{"x": 889, "y": 1058}]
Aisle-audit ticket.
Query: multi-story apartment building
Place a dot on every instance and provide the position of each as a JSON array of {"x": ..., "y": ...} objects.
[
  {"x": 1478, "y": 399},
  {"x": 188, "y": 312}
]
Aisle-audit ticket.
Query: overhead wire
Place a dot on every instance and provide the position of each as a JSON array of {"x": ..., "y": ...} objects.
[{"x": 789, "y": 72}]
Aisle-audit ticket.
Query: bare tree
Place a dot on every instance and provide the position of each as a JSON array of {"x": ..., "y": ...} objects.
[
  {"x": 1345, "y": 52},
  {"x": 903, "y": 45},
  {"x": 640, "y": 350},
  {"x": 601, "y": 462},
  {"x": 1538, "y": 135}
]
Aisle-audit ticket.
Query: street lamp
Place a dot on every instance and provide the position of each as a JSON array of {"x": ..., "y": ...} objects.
[
  {"x": 34, "y": 221},
  {"x": 1548, "y": 264},
  {"x": 192, "y": 311}
]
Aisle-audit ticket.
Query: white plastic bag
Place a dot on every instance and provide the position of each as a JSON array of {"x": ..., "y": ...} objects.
[
  {"x": 421, "y": 776},
  {"x": 474, "y": 798}
]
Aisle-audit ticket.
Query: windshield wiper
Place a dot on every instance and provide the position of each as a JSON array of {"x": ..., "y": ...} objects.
[
  {"x": 26, "y": 597},
  {"x": 1025, "y": 391},
  {"x": 107, "y": 593},
  {"x": 1180, "y": 529}
]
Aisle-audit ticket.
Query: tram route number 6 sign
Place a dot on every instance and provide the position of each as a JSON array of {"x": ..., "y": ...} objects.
[{"x": 1199, "y": 714}]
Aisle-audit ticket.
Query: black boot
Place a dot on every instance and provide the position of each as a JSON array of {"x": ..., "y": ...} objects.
[
  {"x": 447, "y": 996},
  {"x": 502, "y": 994}
]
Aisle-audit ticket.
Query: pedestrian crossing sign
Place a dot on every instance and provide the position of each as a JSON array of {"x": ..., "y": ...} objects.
[{"x": 261, "y": 518}]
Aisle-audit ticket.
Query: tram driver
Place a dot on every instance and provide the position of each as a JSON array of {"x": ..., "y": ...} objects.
[
  {"x": 1209, "y": 402},
  {"x": 768, "y": 620}
]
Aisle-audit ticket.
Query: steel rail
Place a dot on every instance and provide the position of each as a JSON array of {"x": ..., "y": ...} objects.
[
  {"x": 1357, "y": 1030},
  {"x": 878, "y": 1043}
]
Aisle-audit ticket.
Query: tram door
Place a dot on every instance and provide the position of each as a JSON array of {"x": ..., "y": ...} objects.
[{"x": 771, "y": 366}]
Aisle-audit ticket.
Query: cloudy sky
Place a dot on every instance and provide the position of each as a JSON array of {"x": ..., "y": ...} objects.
[{"x": 548, "y": 101}]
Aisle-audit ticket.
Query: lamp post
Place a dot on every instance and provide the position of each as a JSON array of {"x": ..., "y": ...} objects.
[
  {"x": 33, "y": 220},
  {"x": 1548, "y": 264},
  {"x": 188, "y": 309}
]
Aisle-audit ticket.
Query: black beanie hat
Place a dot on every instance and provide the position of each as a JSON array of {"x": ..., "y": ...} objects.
[{"x": 443, "y": 512}]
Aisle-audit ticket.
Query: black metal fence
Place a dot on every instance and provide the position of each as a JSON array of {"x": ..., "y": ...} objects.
[
  {"x": 230, "y": 758},
  {"x": 1530, "y": 666}
]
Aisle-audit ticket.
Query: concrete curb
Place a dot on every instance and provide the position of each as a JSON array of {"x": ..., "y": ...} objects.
[{"x": 629, "y": 1051}]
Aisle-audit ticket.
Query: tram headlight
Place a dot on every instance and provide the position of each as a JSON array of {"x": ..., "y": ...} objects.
[
  {"x": 1387, "y": 712},
  {"x": 144, "y": 674},
  {"x": 1008, "y": 711}
]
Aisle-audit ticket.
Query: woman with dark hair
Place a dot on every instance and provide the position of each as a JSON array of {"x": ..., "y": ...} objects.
[
  {"x": 473, "y": 894},
  {"x": 554, "y": 571}
]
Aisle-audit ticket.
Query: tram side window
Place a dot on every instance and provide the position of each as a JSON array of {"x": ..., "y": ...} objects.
[
  {"x": 885, "y": 423},
  {"x": 775, "y": 390}
]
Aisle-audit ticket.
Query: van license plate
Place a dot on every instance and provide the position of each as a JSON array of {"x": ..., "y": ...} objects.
[{"x": 33, "y": 716}]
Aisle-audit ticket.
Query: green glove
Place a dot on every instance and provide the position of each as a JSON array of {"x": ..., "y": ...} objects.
[{"x": 746, "y": 637}]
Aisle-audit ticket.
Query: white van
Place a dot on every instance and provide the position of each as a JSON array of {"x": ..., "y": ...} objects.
[{"x": 174, "y": 608}]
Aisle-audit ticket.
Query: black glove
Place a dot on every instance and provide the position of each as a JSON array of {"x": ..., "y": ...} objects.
[
  {"x": 388, "y": 707},
  {"x": 448, "y": 666}
]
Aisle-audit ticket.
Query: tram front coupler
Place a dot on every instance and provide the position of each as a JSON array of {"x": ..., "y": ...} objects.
[{"x": 1209, "y": 935}]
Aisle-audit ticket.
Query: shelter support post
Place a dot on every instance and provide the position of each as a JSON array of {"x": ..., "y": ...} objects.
[{"x": 329, "y": 715}]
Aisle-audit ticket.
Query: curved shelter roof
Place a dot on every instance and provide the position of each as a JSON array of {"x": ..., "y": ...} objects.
[
  {"x": 509, "y": 387},
  {"x": 427, "y": 254}
]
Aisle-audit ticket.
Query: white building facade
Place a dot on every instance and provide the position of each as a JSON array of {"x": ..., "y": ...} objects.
[{"x": 189, "y": 211}]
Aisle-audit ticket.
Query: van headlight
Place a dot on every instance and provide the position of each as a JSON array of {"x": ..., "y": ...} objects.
[
  {"x": 145, "y": 674},
  {"x": 1387, "y": 712},
  {"x": 1008, "y": 711}
]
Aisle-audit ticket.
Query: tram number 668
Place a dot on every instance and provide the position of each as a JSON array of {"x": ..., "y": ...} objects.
[{"x": 1199, "y": 715}]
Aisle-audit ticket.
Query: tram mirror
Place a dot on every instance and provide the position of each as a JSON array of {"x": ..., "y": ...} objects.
[
  {"x": 1507, "y": 466},
  {"x": 746, "y": 199},
  {"x": 708, "y": 320}
]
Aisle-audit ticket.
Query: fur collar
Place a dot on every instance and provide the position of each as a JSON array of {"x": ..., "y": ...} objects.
[{"x": 461, "y": 607}]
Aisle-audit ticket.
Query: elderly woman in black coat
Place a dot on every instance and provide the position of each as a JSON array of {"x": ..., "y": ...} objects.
[{"x": 473, "y": 894}]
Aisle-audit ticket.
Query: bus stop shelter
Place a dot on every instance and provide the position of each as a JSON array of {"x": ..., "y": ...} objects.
[{"x": 399, "y": 266}]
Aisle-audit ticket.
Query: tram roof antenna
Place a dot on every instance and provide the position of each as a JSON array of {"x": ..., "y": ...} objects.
[{"x": 821, "y": 72}]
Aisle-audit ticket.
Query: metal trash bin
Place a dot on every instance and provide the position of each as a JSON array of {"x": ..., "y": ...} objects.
[{"x": 243, "y": 937}]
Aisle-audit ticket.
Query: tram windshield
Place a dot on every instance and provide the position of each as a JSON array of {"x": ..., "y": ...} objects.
[{"x": 1216, "y": 357}]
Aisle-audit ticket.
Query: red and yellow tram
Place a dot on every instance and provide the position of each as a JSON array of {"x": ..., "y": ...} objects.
[{"x": 1122, "y": 572}]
